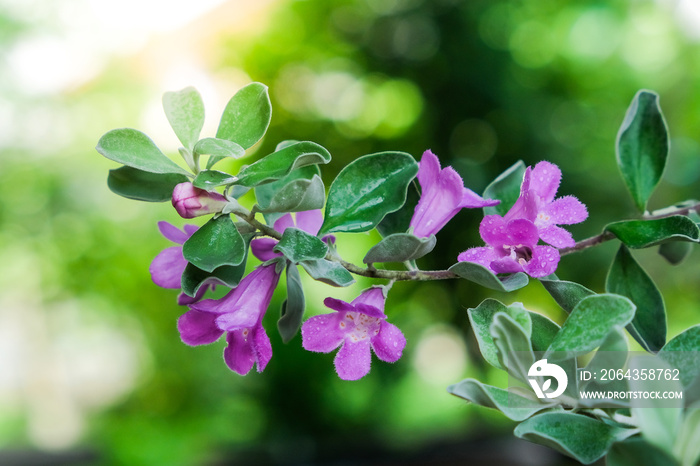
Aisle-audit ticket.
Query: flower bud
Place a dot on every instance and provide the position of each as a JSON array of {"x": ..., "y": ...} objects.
[{"x": 192, "y": 202}]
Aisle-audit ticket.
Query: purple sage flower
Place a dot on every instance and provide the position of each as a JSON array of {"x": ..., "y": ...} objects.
[
  {"x": 443, "y": 195},
  {"x": 355, "y": 327},
  {"x": 309, "y": 220},
  {"x": 239, "y": 314},
  {"x": 192, "y": 202},
  {"x": 167, "y": 267},
  {"x": 512, "y": 247},
  {"x": 537, "y": 204}
]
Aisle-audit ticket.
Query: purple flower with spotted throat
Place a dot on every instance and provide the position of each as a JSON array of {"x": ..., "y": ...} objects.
[
  {"x": 537, "y": 204},
  {"x": 192, "y": 202},
  {"x": 442, "y": 195},
  {"x": 167, "y": 267},
  {"x": 512, "y": 247},
  {"x": 240, "y": 315},
  {"x": 356, "y": 327}
]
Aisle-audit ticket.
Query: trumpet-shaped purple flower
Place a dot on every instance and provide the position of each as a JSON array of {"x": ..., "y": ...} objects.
[
  {"x": 167, "y": 267},
  {"x": 192, "y": 202},
  {"x": 310, "y": 221},
  {"x": 537, "y": 204},
  {"x": 443, "y": 195},
  {"x": 240, "y": 315},
  {"x": 512, "y": 247},
  {"x": 356, "y": 327}
]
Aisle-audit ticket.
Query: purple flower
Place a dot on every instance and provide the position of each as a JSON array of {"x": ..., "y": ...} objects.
[
  {"x": 355, "y": 327},
  {"x": 240, "y": 315},
  {"x": 192, "y": 202},
  {"x": 443, "y": 195},
  {"x": 512, "y": 247},
  {"x": 537, "y": 204},
  {"x": 167, "y": 267},
  {"x": 310, "y": 221}
]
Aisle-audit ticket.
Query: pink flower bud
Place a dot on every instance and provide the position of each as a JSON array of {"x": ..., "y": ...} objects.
[{"x": 192, "y": 202}]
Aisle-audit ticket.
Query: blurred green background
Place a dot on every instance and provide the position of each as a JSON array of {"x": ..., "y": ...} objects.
[{"x": 92, "y": 369}]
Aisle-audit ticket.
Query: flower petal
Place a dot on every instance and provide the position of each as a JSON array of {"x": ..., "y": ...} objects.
[
  {"x": 522, "y": 231},
  {"x": 322, "y": 333},
  {"x": 389, "y": 343},
  {"x": 428, "y": 169},
  {"x": 544, "y": 261},
  {"x": 338, "y": 305},
  {"x": 373, "y": 297},
  {"x": 557, "y": 237},
  {"x": 283, "y": 223},
  {"x": 310, "y": 221},
  {"x": 190, "y": 229},
  {"x": 198, "y": 328},
  {"x": 262, "y": 248},
  {"x": 566, "y": 210},
  {"x": 172, "y": 232},
  {"x": 472, "y": 200},
  {"x": 238, "y": 355},
  {"x": 261, "y": 347},
  {"x": 167, "y": 267},
  {"x": 185, "y": 300},
  {"x": 506, "y": 265},
  {"x": 545, "y": 181},
  {"x": 493, "y": 231},
  {"x": 483, "y": 255},
  {"x": 353, "y": 360}
]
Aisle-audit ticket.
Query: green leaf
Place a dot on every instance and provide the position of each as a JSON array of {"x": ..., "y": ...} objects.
[
  {"x": 506, "y": 188},
  {"x": 297, "y": 195},
  {"x": 544, "y": 330},
  {"x": 399, "y": 221},
  {"x": 211, "y": 179},
  {"x": 216, "y": 243},
  {"x": 328, "y": 272},
  {"x": 293, "y": 307},
  {"x": 638, "y": 234},
  {"x": 218, "y": 149},
  {"x": 687, "y": 445},
  {"x": 580, "y": 437},
  {"x": 627, "y": 278},
  {"x": 566, "y": 294},
  {"x": 675, "y": 252},
  {"x": 399, "y": 247},
  {"x": 246, "y": 116},
  {"x": 134, "y": 149},
  {"x": 513, "y": 346},
  {"x": 194, "y": 278},
  {"x": 682, "y": 352},
  {"x": 366, "y": 190},
  {"x": 280, "y": 163},
  {"x": 143, "y": 186},
  {"x": 642, "y": 147},
  {"x": 658, "y": 419},
  {"x": 185, "y": 112},
  {"x": 481, "y": 319},
  {"x": 636, "y": 451},
  {"x": 515, "y": 406},
  {"x": 591, "y": 321},
  {"x": 297, "y": 246},
  {"x": 479, "y": 274}
]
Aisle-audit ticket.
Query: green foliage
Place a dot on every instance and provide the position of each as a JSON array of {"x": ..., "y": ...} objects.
[
  {"x": 505, "y": 188},
  {"x": 300, "y": 190},
  {"x": 328, "y": 272},
  {"x": 293, "y": 307},
  {"x": 185, "y": 112},
  {"x": 134, "y": 149},
  {"x": 194, "y": 278},
  {"x": 627, "y": 278},
  {"x": 581, "y": 437},
  {"x": 399, "y": 247},
  {"x": 280, "y": 163},
  {"x": 212, "y": 179},
  {"x": 298, "y": 246},
  {"x": 140, "y": 185},
  {"x": 682, "y": 352},
  {"x": 477, "y": 273},
  {"x": 639, "y": 234},
  {"x": 636, "y": 451},
  {"x": 216, "y": 243},
  {"x": 219, "y": 149},
  {"x": 366, "y": 190},
  {"x": 566, "y": 294},
  {"x": 642, "y": 147},
  {"x": 399, "y": 221},
  {"x": 246, "y": 116}
]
